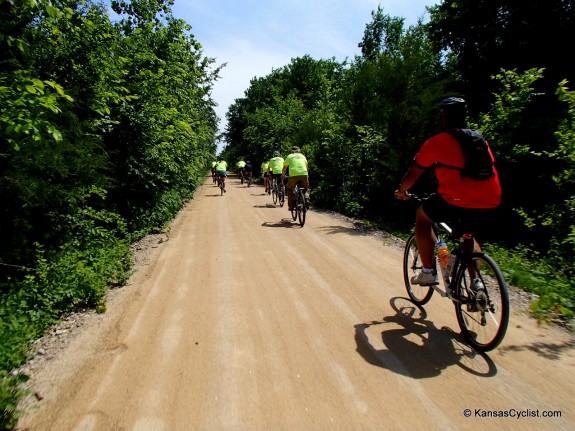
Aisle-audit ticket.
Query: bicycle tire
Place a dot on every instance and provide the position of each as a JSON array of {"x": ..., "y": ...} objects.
[
  {"x": 483, "y": 318},
  {"x": 281, "y": 198},
  {"x": 274, "y": 195},
  {"x": 301, "y": 209},
  {"x": 419, "y": 295},
  {"x": 294, "y": 209}
]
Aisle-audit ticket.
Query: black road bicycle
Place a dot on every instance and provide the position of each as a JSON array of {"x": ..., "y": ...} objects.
[
  {"x": 474, "y": 283},
  {"x": 278, "y": 191}
]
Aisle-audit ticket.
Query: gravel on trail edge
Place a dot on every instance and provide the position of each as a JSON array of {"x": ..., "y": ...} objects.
[{"x": 58, "y": 337}]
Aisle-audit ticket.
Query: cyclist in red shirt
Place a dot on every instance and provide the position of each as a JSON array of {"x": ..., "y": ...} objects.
[{"x": 457, "y": 197}]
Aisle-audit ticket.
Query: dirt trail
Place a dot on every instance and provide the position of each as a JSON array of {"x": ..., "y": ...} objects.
[{"x": 244, "y": 320}]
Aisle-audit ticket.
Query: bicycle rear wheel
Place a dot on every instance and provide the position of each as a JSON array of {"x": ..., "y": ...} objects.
[
  {"x": 281, "y": 197},
  {"x": 301, "y": 209},
  {"x": 221, "y": 185},
  {"x": 420, "y": 295},
  {"x": 483, "y": 313},
  {"x": 275, "y": 195}
]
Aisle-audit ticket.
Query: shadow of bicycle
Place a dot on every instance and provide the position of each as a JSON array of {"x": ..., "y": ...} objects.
[
  {"x": 285, "y": 222},
  {"x": 409, "y": 344}
]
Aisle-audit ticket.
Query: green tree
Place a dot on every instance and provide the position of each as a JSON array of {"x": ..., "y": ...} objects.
[{"x": 484, "y": 36}]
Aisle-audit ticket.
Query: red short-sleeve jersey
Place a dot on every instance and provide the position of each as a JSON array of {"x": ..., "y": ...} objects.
[{"x": 444, "y": 149}]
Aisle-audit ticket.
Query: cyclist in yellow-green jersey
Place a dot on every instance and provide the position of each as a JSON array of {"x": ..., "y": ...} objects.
[
  {"x": 264, "y": 172},
  {"x": 298, "y": 174},
  {"x": 221, "y": 168},
  {"x": 241, "y": 165},
  {"x": 276, "y": 166}
]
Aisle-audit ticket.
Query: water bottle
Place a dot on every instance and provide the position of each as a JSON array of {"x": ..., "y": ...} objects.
[{"x": 443, "y": 254}]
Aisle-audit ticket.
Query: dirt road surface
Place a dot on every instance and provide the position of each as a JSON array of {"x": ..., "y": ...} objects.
[{"x": 242, "y": 320}]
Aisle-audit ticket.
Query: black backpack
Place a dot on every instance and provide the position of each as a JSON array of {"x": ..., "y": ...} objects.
[{"x": 478, "y": 163}]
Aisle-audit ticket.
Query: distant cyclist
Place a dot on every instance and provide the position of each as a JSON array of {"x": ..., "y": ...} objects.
[
  {"x": 264, "y": 172},
  {"x": 298, "y": 174},
  {"x": 275, "y": 167},
  {"x": 241, "y": 165},
  {"x": 249, "y": 170},
  {"x": 458, "y": 196},
  {"x": 214, "y": 170},
  {"x": 221, "y": 168}
]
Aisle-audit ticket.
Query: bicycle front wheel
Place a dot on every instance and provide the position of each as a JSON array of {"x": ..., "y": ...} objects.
[
  {"x": 420, "y": 295},
  {"x": 483, "y": 307}
]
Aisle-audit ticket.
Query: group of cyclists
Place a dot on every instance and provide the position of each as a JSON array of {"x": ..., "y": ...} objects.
[
  {"x": 292, "y": 171},
  {"x": 457, "y": 196}
]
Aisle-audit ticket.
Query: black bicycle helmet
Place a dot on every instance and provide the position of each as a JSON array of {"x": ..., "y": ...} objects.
[{"x": 453, "y": 104}]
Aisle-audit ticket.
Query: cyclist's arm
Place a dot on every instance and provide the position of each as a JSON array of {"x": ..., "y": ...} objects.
[{"x": 408, "y": 180}]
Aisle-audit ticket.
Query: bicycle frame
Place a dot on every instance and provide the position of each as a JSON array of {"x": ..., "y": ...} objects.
[{"x": 461, "y": 257}]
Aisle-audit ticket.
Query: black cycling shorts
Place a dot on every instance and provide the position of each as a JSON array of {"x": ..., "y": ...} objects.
[{"x": 467, "y": 219}]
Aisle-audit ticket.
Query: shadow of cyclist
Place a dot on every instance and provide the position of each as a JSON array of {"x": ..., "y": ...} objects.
[{"x": 408, "y": 344}]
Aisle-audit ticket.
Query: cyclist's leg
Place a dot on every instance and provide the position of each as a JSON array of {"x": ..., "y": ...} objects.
[
  {"x": 425, "y": 238},
  {"x": 292, "y": 181}
]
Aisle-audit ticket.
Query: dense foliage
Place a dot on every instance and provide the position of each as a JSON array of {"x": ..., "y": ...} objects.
[{"x": 106, "y": 128}]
